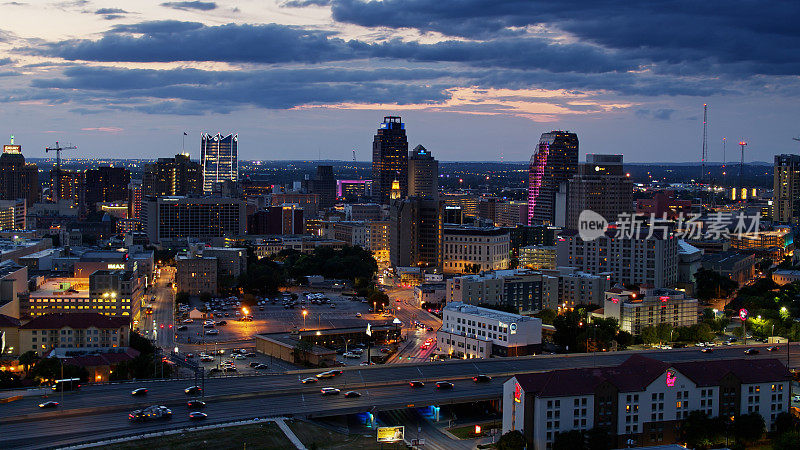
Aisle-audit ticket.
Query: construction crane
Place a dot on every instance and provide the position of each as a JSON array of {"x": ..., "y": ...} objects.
[
  {"x": 742, "y": 143},
  {"x": 705, "y": 144},
  {"x": 354, "y": 155},
  {"x": 58, "y": 150}
]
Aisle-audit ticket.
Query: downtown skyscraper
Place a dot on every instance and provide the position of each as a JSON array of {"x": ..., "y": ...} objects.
[
  {"x": 423, "y": 174},
  {"x": 219, "y": 158},
  {"x": 553, "y": 163},
  {"x": 389, "y": 159}
]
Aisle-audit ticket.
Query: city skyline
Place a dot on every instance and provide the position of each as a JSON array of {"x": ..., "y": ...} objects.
[{"x": 314, "y": 77}]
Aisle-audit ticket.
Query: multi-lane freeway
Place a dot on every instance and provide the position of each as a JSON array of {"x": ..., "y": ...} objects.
[{"x": 101, "y": 411}]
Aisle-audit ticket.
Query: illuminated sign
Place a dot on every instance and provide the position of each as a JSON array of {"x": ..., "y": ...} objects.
[
  {"x": 513, "y": 328},
  {"x": 664, "y": 298},
  {"x": 518, "y": 393},
  {"x": 12, "y": 149},
  {"x": 390, "y": 434},
  {"x": 743, "y": 314},
  {"x": 614, "y": 300},
  {"x": 112, "y": 266},
  {"x": 671, "y": 377}
]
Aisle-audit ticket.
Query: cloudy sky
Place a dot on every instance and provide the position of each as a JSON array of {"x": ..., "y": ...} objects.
[{"x": 472, "y": 79}]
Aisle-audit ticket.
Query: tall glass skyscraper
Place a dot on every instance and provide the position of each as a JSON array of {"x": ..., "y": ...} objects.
[
  {"x": 389, "y": 159},
  {"x": 553, "y": 163},
  {"x": 219, "y": 157}
]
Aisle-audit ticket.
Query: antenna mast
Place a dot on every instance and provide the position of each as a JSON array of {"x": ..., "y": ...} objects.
[{"x": 705, "y": 144}]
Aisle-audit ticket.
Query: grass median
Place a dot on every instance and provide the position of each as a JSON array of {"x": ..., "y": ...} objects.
[{"x": 266, "y": 436}]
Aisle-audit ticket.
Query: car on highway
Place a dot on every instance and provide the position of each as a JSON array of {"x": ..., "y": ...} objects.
[
  {"x": 444, "y": 385},
  {"x": 139, "y": 391},
  {"x": 193, "y": 390},
  {"x": 751, "y": 351},
  {"x": 481, "y": 378},
  {"x": 416, "y": 384},
  {"x": 707, "y": 350},
  {"x": 773, "y": 348},
  {"x": 329, "y": 391},
  {"x": 358, "y": 314},
  {"x": 150, "y": 413},
  {"x": 197, "y": 415},
  {"x": 329, "y": 374},
  {"x": 48, "y": 404},
  {"x": 212, "y": 332},
  {"x": 308, "y": 380},
  {"x": 195, "y": 404},
  {"x": 352, "y": 394}
]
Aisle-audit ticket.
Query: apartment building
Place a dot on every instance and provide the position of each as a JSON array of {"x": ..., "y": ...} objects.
[
  {"x": 84, "y": 330},
  {"x": 474, "y": 249},
  {"x": 649, "y": 307}
]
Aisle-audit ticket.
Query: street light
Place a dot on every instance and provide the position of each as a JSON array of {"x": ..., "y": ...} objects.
[{"x": 305, "y": 313}]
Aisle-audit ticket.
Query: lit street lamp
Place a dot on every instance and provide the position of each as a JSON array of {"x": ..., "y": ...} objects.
[{"x": 305, "y": 313}]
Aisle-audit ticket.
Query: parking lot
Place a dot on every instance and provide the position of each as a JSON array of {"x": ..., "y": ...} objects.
[{"x": 274, "y": 317}]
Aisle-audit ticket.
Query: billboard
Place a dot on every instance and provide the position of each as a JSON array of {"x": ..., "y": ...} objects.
[{"x": 390, "y": 434}]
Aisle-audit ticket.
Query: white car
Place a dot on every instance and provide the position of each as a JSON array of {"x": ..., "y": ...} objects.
[
  {"x": 212, "y": 332},
  {"x": 329, "y": 391},
  {"x": 351, "y": 355}
]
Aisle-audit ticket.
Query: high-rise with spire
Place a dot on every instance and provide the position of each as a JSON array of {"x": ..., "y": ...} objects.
[
  {"x": 219, "y": 158},
  {"x": 389, "y": 159}
]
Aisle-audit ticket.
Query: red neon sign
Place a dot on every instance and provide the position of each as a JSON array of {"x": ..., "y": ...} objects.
[
  {"x": 518, "y": 393},
  {"x": 671, "y": 378}
]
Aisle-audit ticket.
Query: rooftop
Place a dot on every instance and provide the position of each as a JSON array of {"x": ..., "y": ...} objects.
[
  {"x": 62, "y": 287},
  {"x": 486, "y": 312},
  {"x": 75, "y": 321}
]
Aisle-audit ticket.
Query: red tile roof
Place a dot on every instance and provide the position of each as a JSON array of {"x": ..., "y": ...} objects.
[
  {"x": 102, "y": 359},
  {"x": 637, "y": 372},
  {"x": 75, "y": 321}
]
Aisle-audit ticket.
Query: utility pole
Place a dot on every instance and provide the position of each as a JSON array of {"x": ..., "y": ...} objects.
[{"x": 58, "y": 150}]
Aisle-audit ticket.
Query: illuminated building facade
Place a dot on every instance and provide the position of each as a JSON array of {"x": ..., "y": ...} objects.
[
  {"x": 172, "y": 176},
  {"x": 18, "y": 179},
  {"x": 786, "y": 189},
  {"x": 219, "y": 158},
  {"x": 553, "y": 163},
  {"x": 423, "y": 174},
  {"x": 389, "y": 159}
]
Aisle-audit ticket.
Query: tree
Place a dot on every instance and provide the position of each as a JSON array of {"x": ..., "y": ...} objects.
[
  {"x": 649, "y": 335},
  {"x": 51, "y": 369},
  {"x": 599, "y": 438},
  {"x": 749, "y": 427},
  {"x": 182, "y": 297},
  {"x": 786, "y": 441},
  {"x": 698, "y": 429},
  {"x": 784, "y": 423},
  {"x": 28, "y": 359},
  {"x": 301, "y": 349},
  {"x": 140, "y": 343},
  {"x": 547, "y": 316},
  {"x": 568, "y": 330},
  {"x": 624, "y": 339},
  {"x": 711, "y": 285},
  {"x": 513, "y": 440},
  {"x": 379, "y": 299},
  {"x": 570, "y": 440}
]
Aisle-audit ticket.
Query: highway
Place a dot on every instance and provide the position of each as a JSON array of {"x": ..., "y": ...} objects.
[{"x": 98, "y": 411}]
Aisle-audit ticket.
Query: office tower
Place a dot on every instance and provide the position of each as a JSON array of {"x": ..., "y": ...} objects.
[
  {"x": 281, "y": 219},
  {"x": 13, "y": 214},
  {"x": 453, "y": 215},
  {"x": 353, "y": 190},
  {"x": 72, "y": 186},
  {"x": 171, "y": 220},
  {"x": 172, "y": 176},
  {"x": 786, "y": 189},
  {"x": 324, "y": 185},
  {"x": 18, "y": 179},
  {"x": 106, "y": 184},
  {"x": 601, "y": 186},
  {"x": 415, "y": 234},
  {"x": 553, "y": 163},
  {"x": 389, "y": 159},
  {"x": 219, "y": 158},
  {"x": 423, "y": 174}
]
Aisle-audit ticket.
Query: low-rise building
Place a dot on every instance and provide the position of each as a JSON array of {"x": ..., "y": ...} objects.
[
  {"x": 648, "y": 307},
  {"x": 196, "y": 274},
  {"x": 474, "y": 249},
  {"x": 80, "y": 330},
  {"x": 739, "y": 267},
  {"x": 518, "y": 289},
  {"x": 643, "y": 401},
  {"x": 472, "y": 332},
  {"x": 785, "y": 276},
  {"x": 435, "y": 293},
  {"x": 567, "y": 287}
]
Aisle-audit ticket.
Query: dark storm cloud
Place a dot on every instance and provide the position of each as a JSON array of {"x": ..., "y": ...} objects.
[
  {"x": 190, "y": 41},
  {"x": 200, "y": 6},
  {"x": 273, "y": 89},
  {"x": 271, "y": 43},
  {"x": 304, "y": 3},
  {"x": 764, "y": 37},
  {"x": 111, "y": 13}
]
